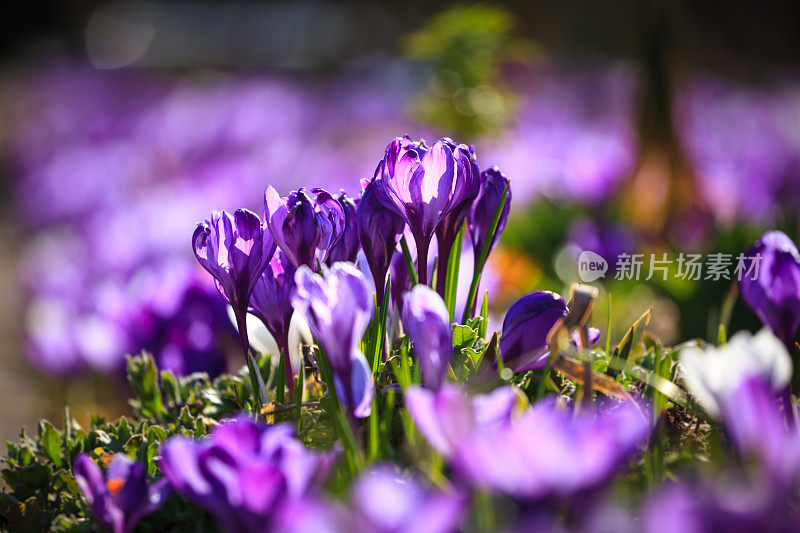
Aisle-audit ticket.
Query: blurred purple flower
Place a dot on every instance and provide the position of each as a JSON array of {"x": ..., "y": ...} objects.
[
  {"x": 607, "y": 240},
  {"x": 730, "y": 505},
  {"x": 465, "y": 189},
  {"x": 122, "y": 497},
  {"x": 190, "y": 337},
  {"x": 574, "y": 137},
  {"x": 736, "y": 136},
  {"x": 758, "y": 429},
  {"x": 385, "y": 501},
  {"x": 306, "y": 225},
  {"x": 523, "y": 343},
  {"x": 337, "y": 308},
  {"x": 245, "y": 473},
  {"x": 379, "y": 229},
  {"x": 447, "y": 416},
  {"x": 346, "y": 248},
  {"x": 271, "y": 302},
  {"x": 553, "y": 452},
  {"x": 774, "y": 295},
  {"x": 418, "y": 184},
  {"x": 492, "y": 184},
  {"x": 428, "y": 325}
]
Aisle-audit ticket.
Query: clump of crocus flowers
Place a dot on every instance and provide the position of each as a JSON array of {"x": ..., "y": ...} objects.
[{"x": 438, "y": 421}]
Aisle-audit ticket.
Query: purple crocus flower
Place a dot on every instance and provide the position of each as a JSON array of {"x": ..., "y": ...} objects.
[
  {"x": 337, "y": 308},
  {"x": 428, "y": 325},
  {"x": 306, "y": 225},
  {"x": 235, "y": 250},
  {"x": 384, "y": 500},
  {"x": 346, "y": 248},
  {"x": 552, "y": 452},
  {"x": 418, "y": 185},
  {"x": 448, "y": 416},
  {"x": 465, "y": 189},
  {"x": 379, "y": 228},
  {"x": 121, "y": 498},
  {"x": 492, "y": 184},
  {"x": 774, "y": 295},
  {"x": 245, "y": 473},
  {"x": 272, "y": 303},
  {"x": 401, "y": 283},
  {"x": 523, "y": 343}
]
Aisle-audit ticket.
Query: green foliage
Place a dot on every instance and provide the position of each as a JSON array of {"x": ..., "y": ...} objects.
[
  {"x": 40, "y": 493},
  {"x": 464, "y": 46}
]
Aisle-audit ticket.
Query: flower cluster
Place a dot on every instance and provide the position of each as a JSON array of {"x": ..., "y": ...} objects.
[
  {"x": 483, "y": 443},
  {"x": 435, "y": 190}
]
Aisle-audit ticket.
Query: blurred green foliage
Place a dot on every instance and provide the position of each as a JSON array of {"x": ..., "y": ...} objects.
[{"x": 465, "y": 46}]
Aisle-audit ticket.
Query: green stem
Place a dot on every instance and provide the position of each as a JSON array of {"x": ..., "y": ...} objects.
[
  {"x": 412, "y": 274},
  {"x": 451, "y": 277},
  {"x": 256, "y": 381}
]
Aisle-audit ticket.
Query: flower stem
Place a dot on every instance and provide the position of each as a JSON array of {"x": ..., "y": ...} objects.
[{"x": 256, "y": 381}]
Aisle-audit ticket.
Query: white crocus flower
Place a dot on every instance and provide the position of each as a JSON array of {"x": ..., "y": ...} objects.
[
  {"x": 262, "y": 341},
  {"x": 713, "y": 373}
]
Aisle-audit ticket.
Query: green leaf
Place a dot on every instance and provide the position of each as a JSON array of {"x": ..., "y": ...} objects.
[
  {"x": 412, "y": 272},
  {"x": 49, "y": 442},
  {"x": 143, "y": 377},
  {"x": 463, "y": 336},
  {"x": 156, "y": 434}
]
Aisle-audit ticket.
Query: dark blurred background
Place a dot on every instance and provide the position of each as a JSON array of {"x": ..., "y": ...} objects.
[{"x": 656, "y": 126}]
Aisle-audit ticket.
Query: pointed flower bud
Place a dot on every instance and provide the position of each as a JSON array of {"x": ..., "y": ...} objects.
[
  {"x": 346, "y": 248},
  {"x": 523, "y": 344},
  {"x": 379, "y": 229},
  {"x": 271, "y": 302},
  {"x": 337, "y": 308},
  {"x": 427, "y": 322},
  {"x": 466, "y": 187},
  {"x": 493, "y": 182},
  {"x": 774, "y": 294},
  {"x": 306, "y": 225}
]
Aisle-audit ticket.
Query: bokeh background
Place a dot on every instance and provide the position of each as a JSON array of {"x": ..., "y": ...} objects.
[{"x": 648, "y": 126}]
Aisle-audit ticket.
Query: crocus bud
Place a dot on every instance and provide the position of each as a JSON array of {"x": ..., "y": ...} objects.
[
  {"x": 523, "y": 344},
  {"x": 346, "y": 248},
  {"x": 773, "y": 292},
  {"x": 337, "y": 308},
  {"x": 401, "y": 283},
  {"x": 271, "y": 302},
  {"x": 379, "y": 228},
  {"x": 493, "y": 182},
  {"x": 418, "y": 182},
  {"x": 465, "y": 189},
  {"x": 235, "y": 250},
  {"x": 306, "y": 225},
  {"x": 427, "y": 322}
]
